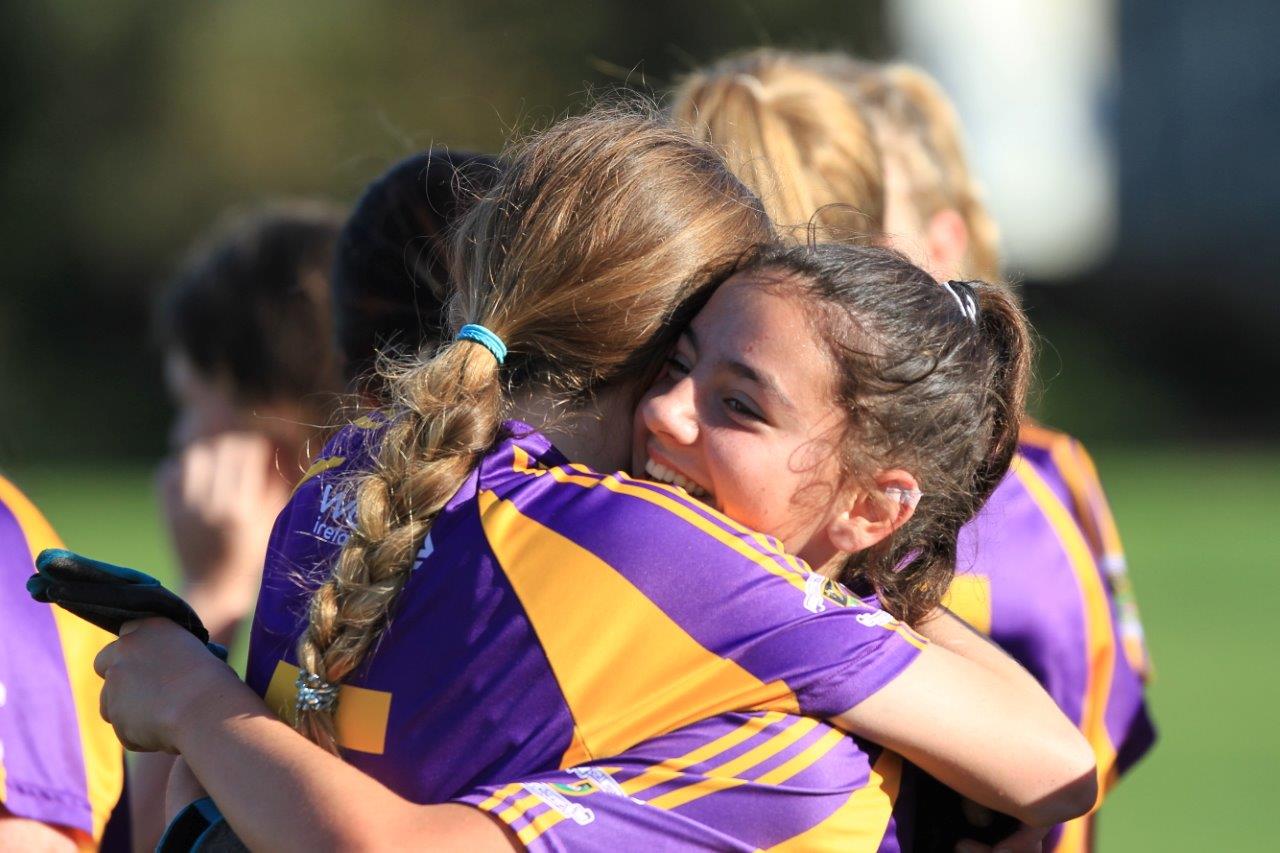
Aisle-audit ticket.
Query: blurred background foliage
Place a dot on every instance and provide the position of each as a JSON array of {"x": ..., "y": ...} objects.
[{"x": 129, "y": 127}]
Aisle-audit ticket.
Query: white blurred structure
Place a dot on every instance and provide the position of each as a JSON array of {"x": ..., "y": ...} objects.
[{"x": 1030, "y": 81}]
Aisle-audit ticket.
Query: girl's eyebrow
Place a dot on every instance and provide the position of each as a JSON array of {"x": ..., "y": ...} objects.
[
  {"x": 764, "y": 380},
  {"x": 746, "y": 371}
]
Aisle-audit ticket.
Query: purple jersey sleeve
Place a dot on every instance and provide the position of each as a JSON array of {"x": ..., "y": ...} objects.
[
  {"x": 735, "y": 782},
  {"x": 60, "y": 763},
  {"x": 670, "y": 569}
]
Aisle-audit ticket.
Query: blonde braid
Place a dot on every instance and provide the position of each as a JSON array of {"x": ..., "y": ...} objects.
[
  {"x": 446, "y": 413},
  {"x": 596, "y": 232}
]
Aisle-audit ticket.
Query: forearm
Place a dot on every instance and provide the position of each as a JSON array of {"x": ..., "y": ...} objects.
[
  {"x": 943, "y": 628},
  {"x": 18, "y": 833},
  {"x": 279, "y": 791},
  {"x": 148, "y": 775},
  {"x": 990, "y": 734}
]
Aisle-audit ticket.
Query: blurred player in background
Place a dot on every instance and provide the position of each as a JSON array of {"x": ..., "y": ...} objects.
[
  {"x": 61, "y": 767},
  {"x": 830, "y": 144},
  {"x": 246, "y": 336},
  {"x": 245, "y": 332},
  {"x": 938, "y": 216}
]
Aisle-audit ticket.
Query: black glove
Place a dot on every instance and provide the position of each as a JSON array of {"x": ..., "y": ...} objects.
[{"x": 108, "y": 596}]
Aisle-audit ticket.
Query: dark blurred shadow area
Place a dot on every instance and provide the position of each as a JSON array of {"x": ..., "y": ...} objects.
[
  {"x": 130, "y": 127},
  {"x": 1174, "y": 335}
]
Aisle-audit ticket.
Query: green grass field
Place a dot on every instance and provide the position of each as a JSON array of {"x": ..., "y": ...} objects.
[{"x": 1200, "y": 528}]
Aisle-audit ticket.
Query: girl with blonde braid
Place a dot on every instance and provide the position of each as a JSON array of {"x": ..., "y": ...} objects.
[{"x": 446, "y": 639}]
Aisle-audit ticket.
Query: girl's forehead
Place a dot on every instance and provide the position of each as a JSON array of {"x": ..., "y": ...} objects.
[
  {"x": 756, "y": 323},
  {"x": 765, "y": 301},
  {"x": 751, "y": 305}
]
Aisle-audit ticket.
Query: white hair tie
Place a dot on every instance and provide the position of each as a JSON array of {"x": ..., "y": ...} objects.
[{"x": 963, "y": 293}]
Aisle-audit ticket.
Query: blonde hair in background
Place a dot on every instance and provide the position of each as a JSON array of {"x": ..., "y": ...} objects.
[
  {"x": 595, "y": 233},
  {"x": 795, "y": 138},
  {"x": 918, "y": 125}
]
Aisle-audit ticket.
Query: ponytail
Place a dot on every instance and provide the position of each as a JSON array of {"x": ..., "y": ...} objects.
[
  {"x": 1009, "y": 344},
  {"x": 915, "y": 570},
  {"x": 795, "y": 139}
]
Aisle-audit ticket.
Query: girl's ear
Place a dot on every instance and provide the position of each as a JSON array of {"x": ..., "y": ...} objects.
[
  {"x": 870, "y": 516},
  {"x": 946, "y": 239}
]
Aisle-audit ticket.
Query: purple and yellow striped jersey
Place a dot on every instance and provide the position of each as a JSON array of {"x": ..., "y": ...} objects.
[
  {"x": 1027, "y": 577},
  {"x": 555, "y": 616},
  {"x": 60, "y": 763},
  {"x": 757, "y": 781},
  {"x": 1070, "y": 471}
]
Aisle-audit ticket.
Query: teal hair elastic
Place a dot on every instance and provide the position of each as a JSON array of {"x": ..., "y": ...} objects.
[{"x": 486, "y": 339}]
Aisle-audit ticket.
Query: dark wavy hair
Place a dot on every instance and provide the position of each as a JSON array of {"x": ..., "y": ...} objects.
[
  {"x": 251, "y": 303},
  {"x": 927, "y": 389},
  {"x": 391, "y": 268}
]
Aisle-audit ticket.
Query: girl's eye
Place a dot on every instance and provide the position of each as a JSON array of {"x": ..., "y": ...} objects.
[
  {"x": 677, "y": 367},
  {"x": 741, "y": 409}
]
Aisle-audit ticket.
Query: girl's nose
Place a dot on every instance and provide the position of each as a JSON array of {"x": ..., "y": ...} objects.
[{"x": 672, "y": 413}]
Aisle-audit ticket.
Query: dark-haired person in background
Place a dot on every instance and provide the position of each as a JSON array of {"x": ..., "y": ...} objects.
[
  {"x": 390, "y": 273},
  {"x": 245, "y": 331}
]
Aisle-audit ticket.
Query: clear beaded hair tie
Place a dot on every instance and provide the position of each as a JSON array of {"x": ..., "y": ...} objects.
[{"x": 314, "y": 693}]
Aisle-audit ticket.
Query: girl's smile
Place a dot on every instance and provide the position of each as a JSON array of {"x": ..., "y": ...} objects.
[{"x": 743, "y": 416}]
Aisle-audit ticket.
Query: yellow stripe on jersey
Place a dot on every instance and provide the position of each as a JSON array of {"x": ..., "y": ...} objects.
[
  {"x": 1131, "y": 639},
  {"x": 103, "y": 758},
  {"x": 498, "y": 796},
  {"x": 516, "y": 810},
  {"x": 670, "y": 769},
  {"x": 317, "y": 468},
  {"x": 535, "y": 827},
  {"x": 675, "y": 682},
  {"x": 81, "y": 642},
  {"x": 803, "y": 760},
  {"x": 671, "y": 499},
  {"x": 969, "y": 597},
  {"x": 1081, "y": 479},
  {"x": 860, "y": 823},
  {"x": 794, "y": 572},
  {"x": 1101, "y": 510},
  {"x": 705, "y": 786},
  {"x": 360, "y": 720},
  {"x": 538, "y": 825},
  {"x": 726, "y": 775},
  {"x": 1099, "y": 639}
]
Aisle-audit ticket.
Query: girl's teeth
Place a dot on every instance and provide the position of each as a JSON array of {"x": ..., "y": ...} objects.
[{"x": 666, "y": 475}]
